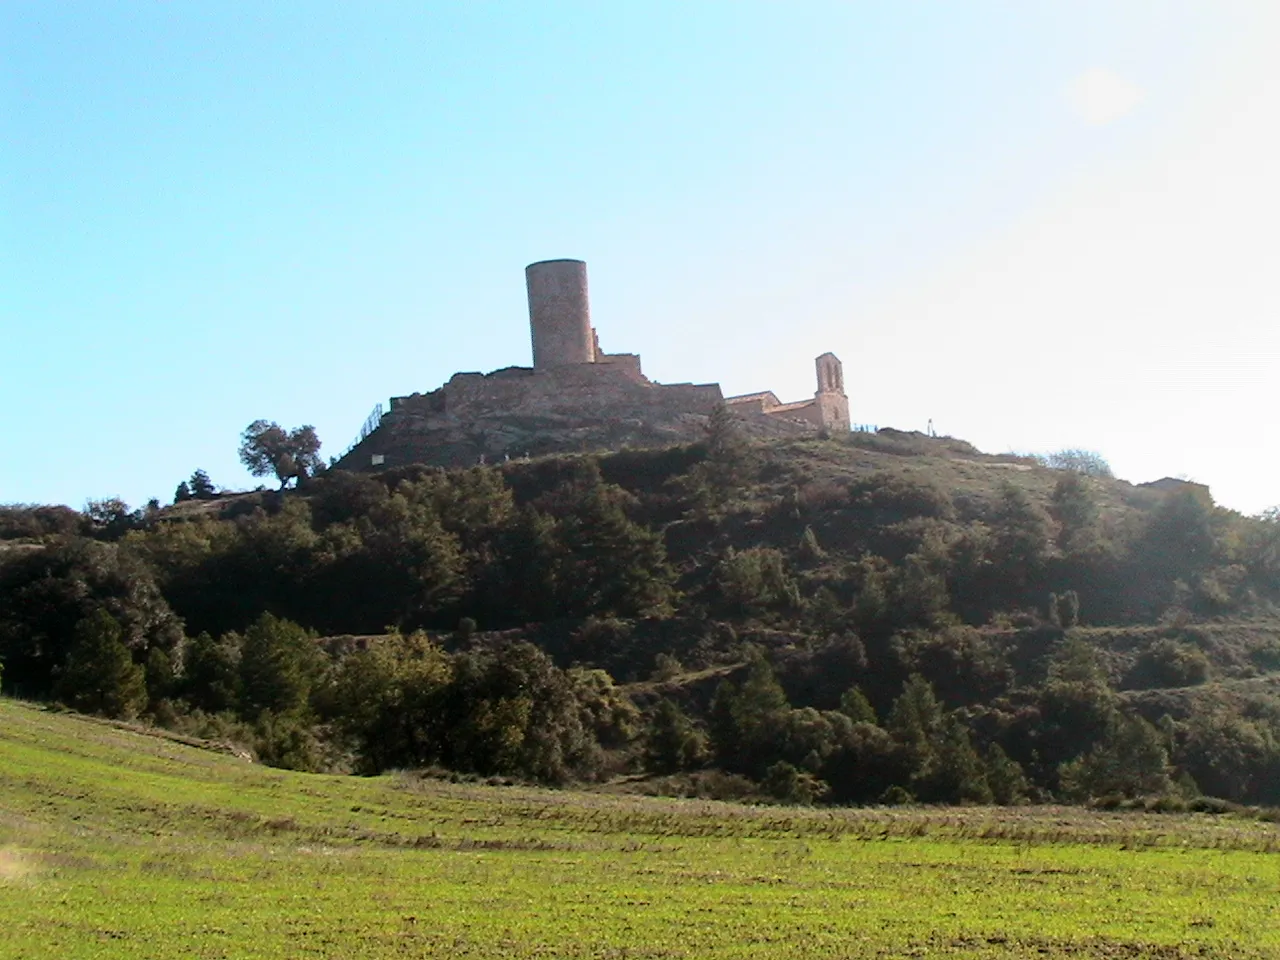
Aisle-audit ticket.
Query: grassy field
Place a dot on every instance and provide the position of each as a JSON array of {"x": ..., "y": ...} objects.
[{"x": 119, "y": 844}]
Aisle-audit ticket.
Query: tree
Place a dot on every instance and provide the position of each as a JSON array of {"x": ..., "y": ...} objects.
[
  {"x": 755, "y": 579},
  {"x": 1020, "y": 531},
  {"x": 110, "y": 519},
  {"x": 1085, "y": 462},
  {"x": 389, "y": 699},
  {"x": 267, "y": 448},
  {"x": 202, "y": 487},
  {"x": 672, "y": 742},
  {"x": 726, "y": 450},
  {"x": 45, "y": 593},
  {"x": 610, "y": 564},
  {"x": 279, "y": 665},
  {"x": 100, "y": 675},
  {"x": 211, "y": 681},
  {"x": 855, "y": 705},
  {"x": 1075, "y": 507},
  {"x": 1130, "y": 762},
  {"x": 749, "y": 720},
  {"x": 512, "y": 711}
]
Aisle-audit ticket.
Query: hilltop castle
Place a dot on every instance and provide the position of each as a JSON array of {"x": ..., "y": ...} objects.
[{"x": 575, "y": 397}]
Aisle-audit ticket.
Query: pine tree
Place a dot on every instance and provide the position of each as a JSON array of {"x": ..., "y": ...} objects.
[
  {"x": 279, "y": 663},
  {"x": 672, "y": 742},
  {"x": 855, "y": 705},
  {"x": 100, "y": 675},
  {"x": 202, "y": 487}
]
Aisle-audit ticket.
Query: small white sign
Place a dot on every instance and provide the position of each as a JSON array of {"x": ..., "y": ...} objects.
[{"x": 378, "y": 460}]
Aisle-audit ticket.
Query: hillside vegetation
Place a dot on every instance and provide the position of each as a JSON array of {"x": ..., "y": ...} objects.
[
  {"x": 116, "y": 844},
  {"x": 882, "y": 618}
]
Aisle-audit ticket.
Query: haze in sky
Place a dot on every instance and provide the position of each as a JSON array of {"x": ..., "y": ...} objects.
[{"x": 1039, "y": 225}]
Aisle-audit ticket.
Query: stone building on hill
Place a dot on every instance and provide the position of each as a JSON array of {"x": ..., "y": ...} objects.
[{"x": 575, "y": 397}]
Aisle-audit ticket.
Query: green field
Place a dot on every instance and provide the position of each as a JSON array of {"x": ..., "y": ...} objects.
[{"x": 119, "y": 844}]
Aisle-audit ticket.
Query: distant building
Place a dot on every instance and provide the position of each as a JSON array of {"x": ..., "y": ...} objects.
[{"x": 575, "y": 397}]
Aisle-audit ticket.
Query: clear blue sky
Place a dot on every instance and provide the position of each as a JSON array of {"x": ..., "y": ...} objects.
[{"x": 1040, "y": 225}]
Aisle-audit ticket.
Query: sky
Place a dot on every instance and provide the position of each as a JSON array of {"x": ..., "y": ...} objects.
[{"x": 1039, "y": 225}]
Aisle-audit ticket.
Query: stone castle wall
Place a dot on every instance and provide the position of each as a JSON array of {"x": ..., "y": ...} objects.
[{"x": 575, "y": 397}]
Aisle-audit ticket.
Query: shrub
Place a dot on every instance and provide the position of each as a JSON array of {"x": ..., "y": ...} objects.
[
  {"x": 1168, "y": 663},
  {"x": 1085, "y": 462},
  {"x": 784, "y": 782}
]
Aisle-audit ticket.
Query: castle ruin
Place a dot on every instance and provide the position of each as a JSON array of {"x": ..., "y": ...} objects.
[{"x": 575, "y": 397}]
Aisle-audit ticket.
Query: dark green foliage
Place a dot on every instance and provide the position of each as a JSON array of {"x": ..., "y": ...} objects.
[
  {"x": 1259, "y": 552},
  {"x": 746, "y": 718},
  {"x": 855, "y": 705},
  {"x": 755, "y": 580},
  {"x": 286, "y": 741},
  {"x": 672, "y": 742},
  {"x": 1130, "y": 762},
  {"x": 1077, "y": 708},
  {"x": 605, "y": 710},
  {"x": 784, "y": 782},
  {"x": 1064, "y": 609},
  {"x": 888, "y": 497},
  {"x": 864, "y": 766},
  {"x": 279, "y": 665},
  {"x": 1020, "y": 539},
  {"x": 201, "y": 486},
  {"x": 18, "y": 521},
  {"x": 161, "y": 677},
  {"x": 390, "y": 699},
  {"x": 727, "y": 463},
  {"x": 1075, "y": 508},
  {"x": 609, "y": 565},
  {"x": 1168, "y": 663},
  {"x": 511, "y": 711},
  {"x": 99, "y": 675},
  {"x": 45, "y": 593},
  {"x": 808, "y": 548},
  {"x": 936, "y": 753},
  {"x": 961, "y": 663},
  {"x": 1229, "y": 755},
  {"x": 395, "y": 566},
  {"x": 268, "y": 449},
  {"x": 664, "y": 568},
  {"x": 1005, "y": 777},
  {"x": 523, "y": 578},
  {"x": 1180, "y": 538},
  {"x": 110, "y": 519},
  {"x": 211, "y": 680}
]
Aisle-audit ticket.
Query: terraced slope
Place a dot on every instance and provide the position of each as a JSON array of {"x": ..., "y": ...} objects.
[{"x": 118, "y": 844}]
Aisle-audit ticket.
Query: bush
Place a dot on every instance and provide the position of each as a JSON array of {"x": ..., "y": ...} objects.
[
  {"x": 1168, "y": 663},
  {"x": 1085, "y": 462},
  {"x": 784, "y": 782}
]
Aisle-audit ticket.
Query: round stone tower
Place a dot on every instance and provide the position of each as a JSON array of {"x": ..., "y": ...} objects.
[{"x": 559, "y": 313}]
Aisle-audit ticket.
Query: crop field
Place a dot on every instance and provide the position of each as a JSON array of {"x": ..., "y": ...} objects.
[{"x": 118, "y": 844}]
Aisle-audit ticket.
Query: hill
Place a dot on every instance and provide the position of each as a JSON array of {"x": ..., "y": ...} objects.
[
  {"x": 879, "y": 617},
  {"x": 116, "y": 843}
]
